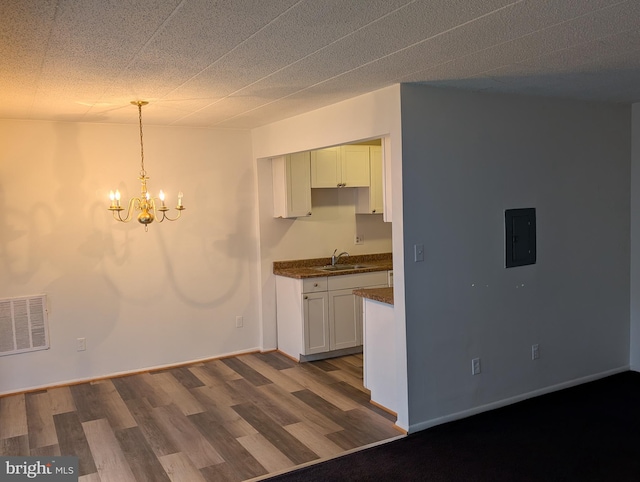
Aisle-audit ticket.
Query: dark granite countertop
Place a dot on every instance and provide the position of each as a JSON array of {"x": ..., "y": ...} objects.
[
  {"x": 384, "y": 295},
  {"x": 307, "y": 268}
]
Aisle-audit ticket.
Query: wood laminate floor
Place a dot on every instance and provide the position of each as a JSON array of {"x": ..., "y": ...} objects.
[{"x": 229, "y": 419}]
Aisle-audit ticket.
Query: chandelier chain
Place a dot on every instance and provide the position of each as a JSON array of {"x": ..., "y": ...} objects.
[{"x": 143, "y": 173}]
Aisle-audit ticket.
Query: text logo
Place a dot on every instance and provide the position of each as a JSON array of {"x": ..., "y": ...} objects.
[{"x": 49, "y": 469}]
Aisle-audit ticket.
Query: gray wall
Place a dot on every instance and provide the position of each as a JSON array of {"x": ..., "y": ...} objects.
[
  {"x": 466, "y": 158},
  {"x": 635, "y": 239}
]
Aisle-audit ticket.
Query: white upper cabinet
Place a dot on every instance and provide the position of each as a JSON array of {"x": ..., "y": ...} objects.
[
  {"x": 291, "y": 185},
  {"x": 343, "y": 166},
  {"x": 355, "y": 166},
  {"x": 325, "y": 167},
  {"x": 370, "y": 200}
]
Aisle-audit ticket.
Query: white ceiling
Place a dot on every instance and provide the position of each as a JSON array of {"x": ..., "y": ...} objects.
[{"x": 245, "y": 63}]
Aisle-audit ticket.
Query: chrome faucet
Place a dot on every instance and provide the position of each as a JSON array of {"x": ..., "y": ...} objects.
[{"x": 335, "y": 259}]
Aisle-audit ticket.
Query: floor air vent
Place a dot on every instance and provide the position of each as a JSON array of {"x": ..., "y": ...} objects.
[{"x": 23, "y": 325}]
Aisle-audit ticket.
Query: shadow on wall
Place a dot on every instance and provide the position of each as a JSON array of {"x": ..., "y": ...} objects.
[
  {"x": 24, "y": 237},
  {"x": 45, "y": 244},
  {"x": 75, "y": 248},
  {"x": 80, "y": 253},
  {"x": 212, "y": 241}
]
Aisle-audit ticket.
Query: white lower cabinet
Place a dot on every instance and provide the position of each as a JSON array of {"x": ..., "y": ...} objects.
[
  {"x": 316, "y": 323},
  {"x": 345, "y": 315},
  {"x": 321, "y": 315},
  {"x": 380, "y": 354}
]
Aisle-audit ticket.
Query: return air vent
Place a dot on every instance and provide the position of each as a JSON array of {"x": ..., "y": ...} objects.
[{"x": 23, "y": 325}]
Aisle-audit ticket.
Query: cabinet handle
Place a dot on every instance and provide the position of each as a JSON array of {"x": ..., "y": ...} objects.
[
  {"x": 306, "y": 297},
  {"x": 373, "y": 211},
  {"x": 309, "y": 213},
  {"x": 315, "y": 285}
]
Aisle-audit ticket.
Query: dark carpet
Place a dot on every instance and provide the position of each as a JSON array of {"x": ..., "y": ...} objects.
[{"x": 586, "y": 433}]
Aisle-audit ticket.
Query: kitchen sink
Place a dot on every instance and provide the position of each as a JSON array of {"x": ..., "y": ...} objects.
[{"x": 343, "y": 267}]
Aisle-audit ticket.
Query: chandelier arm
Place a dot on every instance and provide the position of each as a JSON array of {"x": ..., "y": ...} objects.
[
  {"x": 164, "y": 215},
  {"x": 130, "y": 208}
]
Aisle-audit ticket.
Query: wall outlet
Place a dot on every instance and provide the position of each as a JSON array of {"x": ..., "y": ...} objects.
[
  {"x": 81, "y": 344},
  {"x": 358, "y": 239},
  {"x": 475, "y": 366},
  {"x": 535, "y": 352},
  {"x": 239, "y": 322}
]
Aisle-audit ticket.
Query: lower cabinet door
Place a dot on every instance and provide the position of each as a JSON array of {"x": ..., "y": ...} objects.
[
  {"x": 345, "y": 319},
  {"x": 316, "y": 322}
]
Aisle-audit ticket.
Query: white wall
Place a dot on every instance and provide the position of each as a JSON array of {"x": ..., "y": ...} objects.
[
  {"x": 140, "y": 299},
  {"x": 466, "y": 158},
  {"x": 365, "y": 117},
  {"x": 635, "y": 238},
  {"x": 332, "y": 225}
]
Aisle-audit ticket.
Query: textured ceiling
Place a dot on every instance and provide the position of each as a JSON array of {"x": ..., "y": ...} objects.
[{"x": 245, "y": 63}]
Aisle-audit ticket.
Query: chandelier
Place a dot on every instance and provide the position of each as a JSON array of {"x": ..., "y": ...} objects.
[{"x": 146, "y": 204}]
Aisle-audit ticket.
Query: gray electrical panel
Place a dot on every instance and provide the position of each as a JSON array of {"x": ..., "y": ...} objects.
[{"x": 520, "y": 242}]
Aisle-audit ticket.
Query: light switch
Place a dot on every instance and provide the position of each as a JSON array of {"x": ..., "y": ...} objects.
[{"x": 418, "y": 252}]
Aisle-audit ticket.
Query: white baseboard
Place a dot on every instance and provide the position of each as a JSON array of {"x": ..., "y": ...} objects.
[
  {"x": 511, "y": 400},
  {"x": 126, "y": 372}
]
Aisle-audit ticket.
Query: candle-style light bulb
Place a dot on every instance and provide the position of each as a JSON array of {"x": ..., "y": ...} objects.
[
  {"x": 180, "y": 199},
  {"x": 117, "y": 196},
  {"x": 161, "y": 196}
]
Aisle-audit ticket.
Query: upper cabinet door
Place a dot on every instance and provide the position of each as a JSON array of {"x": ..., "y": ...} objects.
[
  {"x": 291, "y": 185},
  {"x": 326, "y": 167},
  {"x": 355, "y": 166},
  {"x": 344, "y": 166},
  {"x": 370, "y": 200},
  {"x": 377, "y": 201}
]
